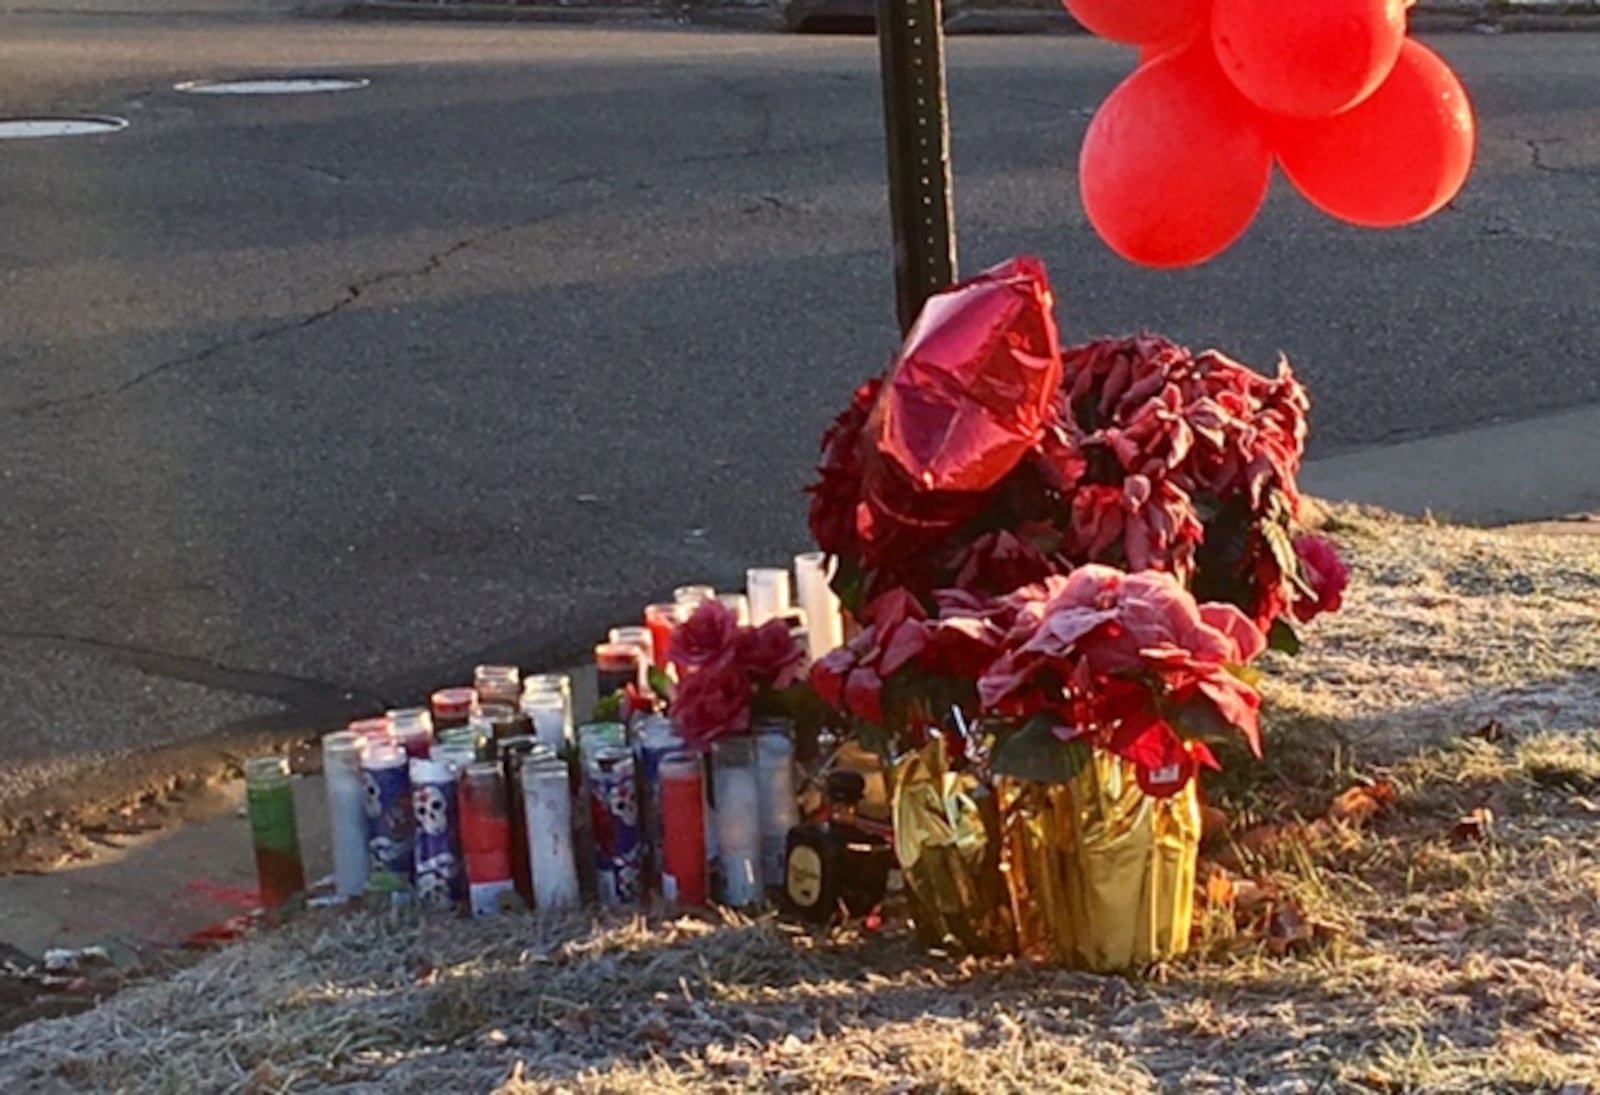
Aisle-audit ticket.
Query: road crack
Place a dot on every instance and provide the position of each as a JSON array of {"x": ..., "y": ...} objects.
[{"x": 352, "y": 293}]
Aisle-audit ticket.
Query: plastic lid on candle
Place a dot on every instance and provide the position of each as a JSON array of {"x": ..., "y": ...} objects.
[
  {"x": 558, "y": 683},
  {"x": 370, "y": 728},
  {"x": 343, "y": 743},
  {"x": 383, "y": 754},
  {"x": 611, "y": 657},
  {"x": 453, "y": 703},
  {"x": 431, "y": 771},
  {"x": 694, "y": 595},
  {"x": 269, "y": 769},
  {"x": 410, "y": 722}
]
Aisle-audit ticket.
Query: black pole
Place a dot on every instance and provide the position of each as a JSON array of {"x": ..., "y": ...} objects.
[{"x": 916, "y": 122}]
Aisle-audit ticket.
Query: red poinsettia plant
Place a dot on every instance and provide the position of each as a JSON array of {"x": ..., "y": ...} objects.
[
  {"x": 1127, "y": 663},
  {"x": 1083, "y": 548},
  {"x": 729, "y": 674},
  {"x": 1146, "y": 457}
]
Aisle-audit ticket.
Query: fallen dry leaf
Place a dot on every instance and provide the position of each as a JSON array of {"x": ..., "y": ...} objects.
[{"x": 1362, "y": 803}]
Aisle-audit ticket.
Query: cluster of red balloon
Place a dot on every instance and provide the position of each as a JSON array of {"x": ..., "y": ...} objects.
[{"x": 1370, "y": 126}]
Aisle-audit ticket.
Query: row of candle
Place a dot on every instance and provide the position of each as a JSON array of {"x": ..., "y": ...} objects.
[{"x": 471, "y": 799}]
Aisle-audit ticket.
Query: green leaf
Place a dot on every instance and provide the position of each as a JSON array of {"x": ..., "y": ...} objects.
[
  {"x": 1282, "y": 637},
  {"x": 1034, "y": 752},
  {"x": 608, "y": 708},
  {"x": 660, "y": 683}
]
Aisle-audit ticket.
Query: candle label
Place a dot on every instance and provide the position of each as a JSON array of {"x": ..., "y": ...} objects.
[{"x": 803, "y": 881}]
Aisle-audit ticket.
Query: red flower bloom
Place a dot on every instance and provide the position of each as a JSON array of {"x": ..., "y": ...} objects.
[
  {"x": 712, "y": 703},
  {"x": 999, "y": 562},
  {"x": 708, "y": 637},
  {"x": 770, "y": 654},
  {"x": 1324, "y": 572},
  {"x": 1119, "y": 656}
]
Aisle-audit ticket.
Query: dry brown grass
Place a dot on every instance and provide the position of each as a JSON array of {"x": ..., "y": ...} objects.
[{"x": 1442, "y": 963}]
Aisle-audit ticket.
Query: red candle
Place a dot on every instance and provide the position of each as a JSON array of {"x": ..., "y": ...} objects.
[
  {"x": 663, "y": 620},
  {"x": 485, "y": 837},
  {"x": 683, "y": 829}
]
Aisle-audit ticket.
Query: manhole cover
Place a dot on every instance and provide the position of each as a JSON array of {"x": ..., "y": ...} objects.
[
  {"x": 19, "y": 129},
  {"x": 276, "y": 85}
]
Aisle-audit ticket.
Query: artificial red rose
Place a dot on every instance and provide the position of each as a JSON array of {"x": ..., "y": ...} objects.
[
  {"x": 1324, "y": 572},
  {"x": 712, "y": 703},
  {"x": 769, "y": 654},
  {"x": 1114, "y": 652},
  {"x": 708, "y": 637}
]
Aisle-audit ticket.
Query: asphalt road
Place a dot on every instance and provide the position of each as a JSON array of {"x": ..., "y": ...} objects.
[{"x": 309, "y": 402}]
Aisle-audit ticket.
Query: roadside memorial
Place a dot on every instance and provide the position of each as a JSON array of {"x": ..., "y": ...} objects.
[{"x": 1044, "y": 577}]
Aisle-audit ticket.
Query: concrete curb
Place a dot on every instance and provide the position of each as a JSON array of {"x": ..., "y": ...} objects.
[{"x": 998, "y": 19}]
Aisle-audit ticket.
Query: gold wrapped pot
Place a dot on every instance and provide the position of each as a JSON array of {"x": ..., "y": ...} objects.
[{"x": 1100, "y": 874}]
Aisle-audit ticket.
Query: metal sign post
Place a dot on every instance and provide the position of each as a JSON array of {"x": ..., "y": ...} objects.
[{"x": 916, "y": 122}]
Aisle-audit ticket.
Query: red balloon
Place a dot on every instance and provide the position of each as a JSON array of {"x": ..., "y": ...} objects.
[
  {"x": 1139, "y": 22},
  {"x": 1398, "y": 157},
  {"x": 1174, "y": 166},
  {"x": 1308, "y": 59}
]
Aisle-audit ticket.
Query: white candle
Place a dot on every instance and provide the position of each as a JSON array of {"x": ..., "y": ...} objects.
[
  {"x": 824, "y": 620},
  {"x": 548, "y": 804},
  {"x": 738, "y": 821},
  {"x": 780, "y": 811},
  {"x": 347, "y": 811},
  {"x": 551, "y": 717},
  {"x": 768, "y": 590}
]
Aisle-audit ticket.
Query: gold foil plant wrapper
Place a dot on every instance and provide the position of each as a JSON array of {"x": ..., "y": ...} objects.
[
  {"x": 1100, "y": 873},
  {"x": 946, "y": 836}
]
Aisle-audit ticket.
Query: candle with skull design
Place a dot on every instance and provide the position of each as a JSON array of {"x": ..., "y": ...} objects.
[
  {"x": 614, "y": 813},
  {"x": 440, "y": 882},
  {"x": 390, "y": 824}
]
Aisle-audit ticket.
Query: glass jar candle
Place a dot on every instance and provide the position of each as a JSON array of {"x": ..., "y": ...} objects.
[
  {"x": 376, "y": 729},
  {"x": 615, "y": 667},
  {"x": 451, "y": 707},
  {"x": 440, "y": 883},
  {"x": 663, "y": 620},
  {"x": 683, "y": 829},
  {"x": 693, "y": 596},
  {"x": 738, "y": 795},
  {"x": 347, "y": 811},
  {"x": 497, "y": 683},
  {"x": 780, "y": 810},
  {"x": 738, "y": 604},
  {"x": 636, "y": 636},
  {"x": 270, "y": 803},
  {"x": 768, "y": 590},
  {"x": 412, "y": 729},
  {"x": 551, "y": 717},
  {"x": 512, "y": 752},
  {"x": 547, "y": 812},
  {"x": 486, "y": 838},
  {"x": 813, "y": 571},
  {"x": 386, "y": 781}
]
